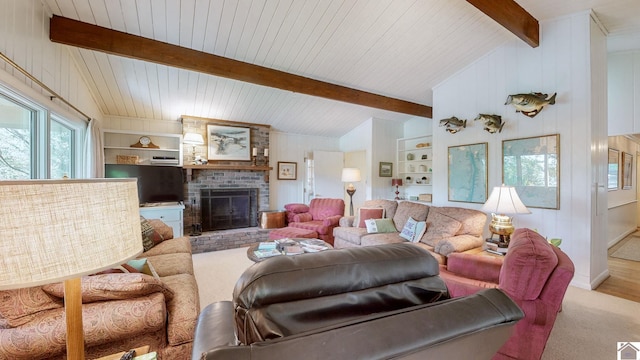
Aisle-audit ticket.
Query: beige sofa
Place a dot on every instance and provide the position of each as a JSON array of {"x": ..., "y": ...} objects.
[
  {"x": 449, "y": 229},
  {"x": 121, "y": 311}
]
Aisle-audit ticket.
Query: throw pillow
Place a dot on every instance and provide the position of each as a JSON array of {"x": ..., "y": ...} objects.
[
  {"x": 147, "y": 233},
  {"x": 143, "y": 266},
  {"x": 439, "y": 227},
  {"x": 421, "y": 228},
  {"x": 113, "y": 287},
  {"x": 380, "y": 226},
  {"x": 162, "y": 231},
  {"x": 369, "y": 213},
  {"x": 19, "y": 306},
  {"x": 409, "y": 229}
]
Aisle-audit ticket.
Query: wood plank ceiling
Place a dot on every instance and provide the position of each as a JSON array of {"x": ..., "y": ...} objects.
[{"x": 395, "y": 48}]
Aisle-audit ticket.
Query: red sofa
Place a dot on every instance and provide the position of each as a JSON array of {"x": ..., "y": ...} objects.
[{"x": 534, "y": 274}]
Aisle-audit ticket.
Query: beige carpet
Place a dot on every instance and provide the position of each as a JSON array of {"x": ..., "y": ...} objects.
[
  {"x": 630, "y": 250},
  {"x": 589, "y": 326}
]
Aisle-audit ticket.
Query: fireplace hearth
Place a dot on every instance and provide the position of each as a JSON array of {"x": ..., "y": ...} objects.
[{"x": 223, "y": 209}]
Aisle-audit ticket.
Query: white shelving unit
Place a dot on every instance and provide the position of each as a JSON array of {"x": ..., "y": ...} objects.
[
  {"x": 118, "y": 142},
  {"x": 414, "y": 161}
]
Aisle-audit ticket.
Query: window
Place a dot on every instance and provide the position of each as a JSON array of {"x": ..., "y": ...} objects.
[{"x": 36, "y": 144}]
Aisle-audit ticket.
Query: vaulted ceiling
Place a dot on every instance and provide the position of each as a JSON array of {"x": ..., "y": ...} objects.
[{"x": 397, "y": 49}]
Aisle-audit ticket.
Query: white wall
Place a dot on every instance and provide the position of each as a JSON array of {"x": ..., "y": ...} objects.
[
  {"x": 560, "y": 64},
  {"x": 24, "y": 38}
]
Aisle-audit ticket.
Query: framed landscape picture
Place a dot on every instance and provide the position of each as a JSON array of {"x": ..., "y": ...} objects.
[
  {"x": 386, "y": 169},
  {"x": 287, "y": 170},
  {"x": 613, "y": 169},
  {"x": 228, "y": 142}
]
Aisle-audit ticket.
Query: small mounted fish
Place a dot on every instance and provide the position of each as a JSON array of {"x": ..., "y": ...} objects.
[
  {"x": 530, "y": 104},
  {"x": 492, "y": 123},
  {"x": 453, "y": 124}
]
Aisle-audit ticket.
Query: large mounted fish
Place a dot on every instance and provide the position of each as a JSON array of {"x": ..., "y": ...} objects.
[
  {"x": 453, "y": 124},
  {"x": 530, "y": 104},
  {"x": 492, "y": 123}
]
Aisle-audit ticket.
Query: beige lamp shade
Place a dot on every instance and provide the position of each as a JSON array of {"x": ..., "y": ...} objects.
[
  {"x": 504, "y": 200},
  {"x": 193, "y": 139},
  {"x": 350, "y": 175},
  {"x": 54, "y": 230}
]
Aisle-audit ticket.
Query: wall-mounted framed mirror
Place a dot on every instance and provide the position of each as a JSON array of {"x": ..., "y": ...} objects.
[
  {"x": 613, "y": 174},
  {"x": 532, "y": 166}
]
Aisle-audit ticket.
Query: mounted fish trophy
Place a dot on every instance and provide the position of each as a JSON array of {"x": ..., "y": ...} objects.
[
  {"x": 530, "y": 104},
  {"x": 453, "y": 124},
  {"x": 492, "y": 123}
]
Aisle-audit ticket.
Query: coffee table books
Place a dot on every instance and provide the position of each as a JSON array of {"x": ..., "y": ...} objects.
[
  {"x": 261, "y": 254},
  {"x": 293, "y": 250}
]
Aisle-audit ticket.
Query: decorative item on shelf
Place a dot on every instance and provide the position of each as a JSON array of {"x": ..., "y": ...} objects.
[
  {"x": 408, "y": 179},
  {"x": 127, "y": 159},
  {"x": 530, "y": 104},
  {"x": 396, "y": 183},
  {"x": 492, "y": 123},
  {"x": 503, "y": 200},
  {"x": 193, "y": 139},
  {"x": 422, "y": 168},
  {"x": 410, "y": 156},
  {"x": 453, "y": 124},
  {"x": 425, "y": 180},
  {"x": 350, "y": 175},
  {"x": 82, "y": 240},
  {"x": 425, "y": 157},
  {"x": 145, "y": 142},
  {"x": 424, "y": 197},
  {"x": 266, "y": 157},
  {"x": 424, "y": 144}
]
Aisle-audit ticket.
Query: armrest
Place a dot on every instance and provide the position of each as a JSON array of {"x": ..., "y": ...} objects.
[
  {"x": 346, "y": 221},
  {"x": 477, "y": 267},
  {"x": 332, "y": 220},
  {"x": 215, "y": 328},
  {"x": 458, "y": 243},
  {"x": 302, "y": 217}
]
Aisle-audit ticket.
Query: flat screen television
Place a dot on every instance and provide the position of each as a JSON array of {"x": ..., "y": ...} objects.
[{"x": 156, "y": 184}]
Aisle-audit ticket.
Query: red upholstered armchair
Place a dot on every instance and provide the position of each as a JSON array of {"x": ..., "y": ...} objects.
[
  {"x": 534, "y": 274},
  {"x": 322, "y": 217}
]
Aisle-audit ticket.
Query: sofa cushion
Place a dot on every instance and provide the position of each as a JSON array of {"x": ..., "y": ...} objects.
[
  {"x": 473, "y": 221},
  {"x": 369, "y": 213},
  {"x": 407, "y": 209},
  {"x": 113, "y": 287},
  {"x": 19, "y": 306},
  {"x": 439, "y": 227},
  {"x": 350, "y": 234},
  {"x": 380, "y": 226},
  {"x": 183, "y": 308},
  {"x": 382, "y": 238},
  {"x": 409, "y": 229},
  {"x": 172, "y": 264},
  {"x": 163, "y": 229},
  {"x": 389, "y": 207},
  {"x": 173, "y": 246}
]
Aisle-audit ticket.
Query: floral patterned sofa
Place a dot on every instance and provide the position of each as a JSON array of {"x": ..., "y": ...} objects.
[
  {"x": 446, "y": 229},
  {"x": 158, "y": 306}
]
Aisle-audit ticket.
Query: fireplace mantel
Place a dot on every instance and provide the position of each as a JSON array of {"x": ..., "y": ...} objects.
[{"x": 264, "y": 168}]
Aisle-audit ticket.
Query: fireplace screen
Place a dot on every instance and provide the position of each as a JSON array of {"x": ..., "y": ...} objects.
[{"x": 228, "y": 208}]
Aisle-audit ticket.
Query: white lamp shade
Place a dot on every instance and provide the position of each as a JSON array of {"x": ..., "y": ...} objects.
[
  {"x": 193, "y": 139},
  {"x": 350, "y": 174},
  {"x": 504, "y": 200},
  {"x": 54, "y": 230}
]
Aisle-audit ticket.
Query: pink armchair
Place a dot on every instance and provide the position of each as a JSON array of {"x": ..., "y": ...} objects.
[
  {"x": 534, "y": 274},
  {"x": 322, "y": 217}
]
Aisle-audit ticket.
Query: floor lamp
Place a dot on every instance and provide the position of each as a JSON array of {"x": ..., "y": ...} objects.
[
  {"x": 350, "y": 175},
  {"x": 60, "y": 230}
]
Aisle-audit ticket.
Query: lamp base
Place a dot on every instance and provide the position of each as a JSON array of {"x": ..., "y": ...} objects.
[
  {"x": 351, "y": 192},
  {"x": 397, "y": 193},
  {"x": 501, "y": 225}
]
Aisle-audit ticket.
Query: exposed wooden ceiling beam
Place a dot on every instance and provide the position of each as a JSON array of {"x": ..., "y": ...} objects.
[
  {"x": 513, "y": 17},
  {"x": 93, "y": 37}
]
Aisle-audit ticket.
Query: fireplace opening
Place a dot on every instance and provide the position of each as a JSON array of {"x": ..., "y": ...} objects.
[{"x": 224, "y": 209}]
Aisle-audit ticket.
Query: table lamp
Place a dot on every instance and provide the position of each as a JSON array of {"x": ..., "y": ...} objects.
[
  {"x": 503, "y": 200},
  {"x": 60, "y": 230},
  {"x": 193, "y": 139},
  {"x": 396, "y": 183},
  {"x": 350, "y": 175}
]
